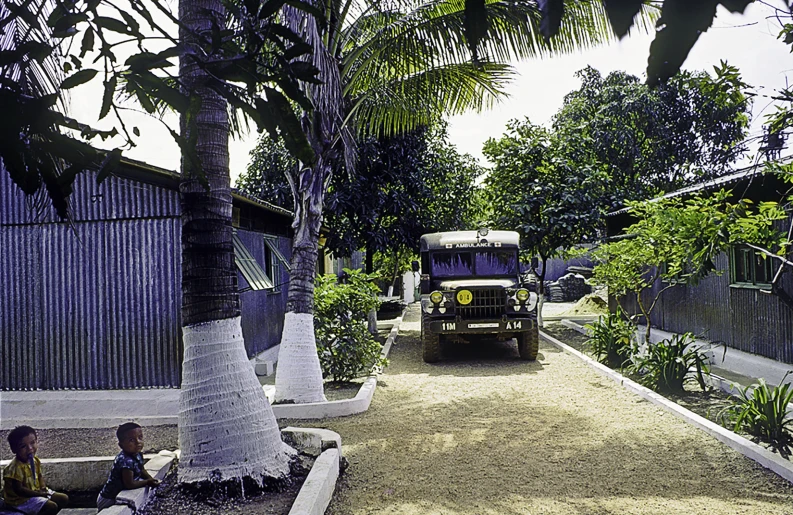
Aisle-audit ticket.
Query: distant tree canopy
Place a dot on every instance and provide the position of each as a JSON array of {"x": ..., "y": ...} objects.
[
  {"x": 614, "y": 140},
  {"x": 401, "y": 187},
  {"x": 533, "y": 188},
  {"x": 657, "y": 140}
]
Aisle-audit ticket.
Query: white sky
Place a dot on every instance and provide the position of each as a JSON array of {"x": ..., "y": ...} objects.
[{"x": 746, "y": 41}]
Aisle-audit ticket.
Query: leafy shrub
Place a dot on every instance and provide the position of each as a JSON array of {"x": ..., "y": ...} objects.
[
  {"x": 346, "y": 348},
  {"x": 611, "y": 339},
  {"x": 762, "y": 412},
  {"x": 668, "y": 364}
]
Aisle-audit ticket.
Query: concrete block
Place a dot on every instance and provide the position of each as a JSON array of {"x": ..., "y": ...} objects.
[
  {"x": 317, "y": 490},
  {"x": 264, "y": 368},
  {"x": 312, "y": 441}
]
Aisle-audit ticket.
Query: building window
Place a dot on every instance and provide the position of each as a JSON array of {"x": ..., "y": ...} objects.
[
  {"x": 253, "y": 273},
  {"x": 748, "y": 267},
  {"x": 274, "y": 260}
]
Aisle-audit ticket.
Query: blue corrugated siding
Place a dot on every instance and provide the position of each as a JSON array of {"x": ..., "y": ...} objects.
[
  {"x": 96, "y": 304},
  {"x": 114, "y": 199},
  {"x": 263, "y": 310},
  {"x": 742, "y": 318},
  {"x": 92, "y": 307}
]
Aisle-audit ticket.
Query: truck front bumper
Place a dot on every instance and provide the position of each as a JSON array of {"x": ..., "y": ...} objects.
[{"x": 518, "y": 325}]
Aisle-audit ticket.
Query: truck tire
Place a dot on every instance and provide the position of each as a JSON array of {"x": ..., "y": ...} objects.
[
  {"x": 528, "y": 344},
  {"x": 430, "y": 341}
]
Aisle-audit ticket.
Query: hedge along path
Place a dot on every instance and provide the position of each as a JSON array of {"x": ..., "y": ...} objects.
[{"x": 486, "y": 433}]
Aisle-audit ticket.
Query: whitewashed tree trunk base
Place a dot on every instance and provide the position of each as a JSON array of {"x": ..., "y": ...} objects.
[
  {"x": 227, "y": 429},
  {"x": 298, "y": 376},
  {"x": 540, "y": 302}
]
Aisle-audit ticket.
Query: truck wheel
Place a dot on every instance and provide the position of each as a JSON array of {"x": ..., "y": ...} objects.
[
  {"x": 528, "y": 345},
  {"x": 430, "y": 341}
]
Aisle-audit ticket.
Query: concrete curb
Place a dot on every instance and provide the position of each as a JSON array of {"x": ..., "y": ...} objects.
[
  {"x": 340, "y": 408},
  {"x": 314, "y": 495},
  {"x": 317, "y": 491},
  {"x": 749, "y": 449},
  {"x": 110, "y": 408}
]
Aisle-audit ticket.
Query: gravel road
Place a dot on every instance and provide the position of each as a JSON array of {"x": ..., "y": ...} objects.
[{"x": 483, "y": 433}]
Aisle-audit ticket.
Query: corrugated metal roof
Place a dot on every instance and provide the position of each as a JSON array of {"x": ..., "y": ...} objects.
[{"x": 749, "y": 172}]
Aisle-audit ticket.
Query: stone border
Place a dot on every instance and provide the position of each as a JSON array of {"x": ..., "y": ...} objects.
[
  {"x": 110, "y": 408},
  {"x": 340, "y": 408},
  {"x": 312, "y": 499},
  {"x": 749, "y": 449}
]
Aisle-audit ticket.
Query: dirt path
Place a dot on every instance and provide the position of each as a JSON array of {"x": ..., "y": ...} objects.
[{"x": 485, "y": 433}]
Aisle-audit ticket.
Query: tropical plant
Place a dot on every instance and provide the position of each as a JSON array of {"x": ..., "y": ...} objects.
[
  {"x": 386, "y": 69},
  {"x": 611, "y": 339},
  {"x": 762, "y": 411},
  {"x": 346, "y": 347},
  {"x": 668, "y": 364}
]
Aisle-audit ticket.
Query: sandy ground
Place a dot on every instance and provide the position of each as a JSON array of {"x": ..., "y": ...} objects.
[{"x": 483, "y": 433}]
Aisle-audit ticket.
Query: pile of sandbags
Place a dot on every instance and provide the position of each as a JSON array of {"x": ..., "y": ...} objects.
[{"x": 569, "y": 288}]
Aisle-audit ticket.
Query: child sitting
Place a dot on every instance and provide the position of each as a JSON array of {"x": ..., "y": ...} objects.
[
  {"x": 128, "y": 471},
  {"x": 25, "y": 489}
]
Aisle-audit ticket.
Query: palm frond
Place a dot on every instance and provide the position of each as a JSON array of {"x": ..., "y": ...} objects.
[
  {"x": 327, "y": 96},
  {"x": 406, "y": 102},
  {"x": 36, "y": 73}
]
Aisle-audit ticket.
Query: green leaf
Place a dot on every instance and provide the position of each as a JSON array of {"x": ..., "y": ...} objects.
[
  {"x": 78, "y": 78},
  {"x": 107, "y": 97},
  {"x": 112, "y": 24},
  {"x": 109, "y": 165},
  {"x": 88, "y": 42},
  {"x": 132, "y": 24}
]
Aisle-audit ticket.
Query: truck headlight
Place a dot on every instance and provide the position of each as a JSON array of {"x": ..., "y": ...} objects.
[
  {"x": 522, "y": 295},
  {"x": 436, "y": 297}
]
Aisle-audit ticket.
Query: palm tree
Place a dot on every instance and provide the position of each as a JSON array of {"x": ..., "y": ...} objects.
[
  {"x": 227, "y": 428},
  {"x": 387, "y": 68}
]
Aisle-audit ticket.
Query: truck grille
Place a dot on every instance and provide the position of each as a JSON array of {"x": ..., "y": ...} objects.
[{"x": 485, "y": 304}]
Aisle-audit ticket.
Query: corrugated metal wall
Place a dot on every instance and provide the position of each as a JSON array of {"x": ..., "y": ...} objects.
[
  {"x": 556, "y": 267},
  {"x": 263, "y": 310},
  {"x": 97, "y": 306},
  {"x": 94, "y": 305},
  {"x": 742, "y": 318},
  {"x": 114, "y": 199}
]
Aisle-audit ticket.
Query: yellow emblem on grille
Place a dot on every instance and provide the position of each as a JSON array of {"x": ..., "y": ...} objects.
[{"x": 464, "y": 297}]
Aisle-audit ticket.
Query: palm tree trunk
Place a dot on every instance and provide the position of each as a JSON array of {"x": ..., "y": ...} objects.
[
  {"x": 227, "y": 429},
  {"x": 298, "y": 377}
]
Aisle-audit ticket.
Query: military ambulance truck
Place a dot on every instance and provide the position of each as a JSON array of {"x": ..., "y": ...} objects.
[{"x": 472, "y": 289}]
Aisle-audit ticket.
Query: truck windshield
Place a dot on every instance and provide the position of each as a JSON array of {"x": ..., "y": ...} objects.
[{"x": 462, "y": 264}]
